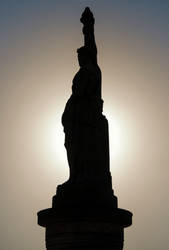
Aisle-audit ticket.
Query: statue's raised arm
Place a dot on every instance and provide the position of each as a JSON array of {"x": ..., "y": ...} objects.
[{"x": 88, "y": 30}]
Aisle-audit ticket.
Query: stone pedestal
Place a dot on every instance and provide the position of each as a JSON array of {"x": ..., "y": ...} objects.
[{"x": 80, "y": 220}]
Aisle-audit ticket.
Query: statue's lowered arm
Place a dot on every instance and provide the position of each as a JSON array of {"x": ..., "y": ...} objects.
[{"x": 88, "y": 30}]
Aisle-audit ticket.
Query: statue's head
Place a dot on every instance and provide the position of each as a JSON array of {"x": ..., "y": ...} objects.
[{"x": 85, "y": 56}]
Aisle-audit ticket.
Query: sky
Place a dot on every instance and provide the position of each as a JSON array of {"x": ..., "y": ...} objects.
[{"x": 38, "y": 46}]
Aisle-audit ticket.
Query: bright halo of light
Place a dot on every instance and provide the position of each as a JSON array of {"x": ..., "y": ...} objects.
[
  {"x": 117, "y": 137},
  {"x": 55, "y": 143}
]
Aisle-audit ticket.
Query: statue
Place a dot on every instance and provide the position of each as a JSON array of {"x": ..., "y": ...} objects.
[
  {"x": 84, "y": 212},
  {"x": 86, "y": 129}
]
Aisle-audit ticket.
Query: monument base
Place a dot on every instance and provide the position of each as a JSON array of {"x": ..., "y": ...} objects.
[
  {"x": 87, "y": 233},
  {"x": 82, "y": 220}
]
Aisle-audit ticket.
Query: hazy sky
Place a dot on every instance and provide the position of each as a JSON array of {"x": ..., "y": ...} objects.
[{"x": 38, "y": 46}]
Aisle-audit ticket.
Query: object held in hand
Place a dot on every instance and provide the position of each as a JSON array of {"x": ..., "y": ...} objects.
[{"x": 87, "y": 17}]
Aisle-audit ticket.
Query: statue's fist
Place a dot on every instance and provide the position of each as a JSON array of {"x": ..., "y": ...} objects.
[{"x": 87, "y": 17}]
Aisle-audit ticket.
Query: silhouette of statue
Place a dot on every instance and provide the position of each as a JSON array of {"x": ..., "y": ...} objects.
[
  {"x": 86, "y": 129},
  {"x": 84, "y": 213}
]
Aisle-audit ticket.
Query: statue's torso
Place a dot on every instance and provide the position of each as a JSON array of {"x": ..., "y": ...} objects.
[
  {"x": 85, "y": 104},
  {"x": 87, "y": 82}
]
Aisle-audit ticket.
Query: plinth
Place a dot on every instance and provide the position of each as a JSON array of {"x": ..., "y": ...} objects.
[{"x": 84, "y": 217}]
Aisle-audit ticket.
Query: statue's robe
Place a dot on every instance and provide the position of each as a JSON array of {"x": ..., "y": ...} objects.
[{"x": 86, "y": 129}]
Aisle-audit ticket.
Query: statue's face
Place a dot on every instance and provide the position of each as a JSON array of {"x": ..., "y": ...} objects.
[{"x": 83, "y": 60}]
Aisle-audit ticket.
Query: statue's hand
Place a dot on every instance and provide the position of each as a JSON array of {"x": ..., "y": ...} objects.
[{"x": 87, "y": 17}]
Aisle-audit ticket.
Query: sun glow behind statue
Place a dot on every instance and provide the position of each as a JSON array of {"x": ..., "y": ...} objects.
[
  {"x": 53, "y": 142},
  {"x": 117, "y": 135}
]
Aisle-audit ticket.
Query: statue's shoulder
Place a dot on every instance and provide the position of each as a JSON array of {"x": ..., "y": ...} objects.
[
  {"x": 83, "y": 72},
  {"x": 81, "y": 76}
]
